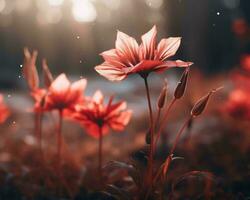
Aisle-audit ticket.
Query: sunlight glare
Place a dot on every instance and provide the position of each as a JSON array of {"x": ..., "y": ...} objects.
[
  {"x": 55, "y": 2},
  {"x": 2, "y": 5},
  {"x": 83, "y": 11}
]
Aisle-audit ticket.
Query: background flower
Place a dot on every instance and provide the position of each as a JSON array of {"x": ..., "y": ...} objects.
[
  {"x": 95, "y": 115},
  {"x": 4, "y": 111}
]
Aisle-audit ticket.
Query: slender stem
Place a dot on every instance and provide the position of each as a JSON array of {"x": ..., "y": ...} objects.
[
  {"x": 59, "y": 139},
  {"x": 151, "y": 153},
  {"x": 179, "y": 135},
  {"x": 157, "y": 118},
  {"x": 100, "y": 155},
  {"x": 38, "y": 129},
  {"x": 180, "y": 132},
  {"x": 165, "y": 117}
]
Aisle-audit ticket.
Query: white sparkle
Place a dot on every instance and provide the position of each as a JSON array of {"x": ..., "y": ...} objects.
[
  {"x": 9, "y": 95},
  {"x": 80, "y": 61},
  {"x": 21, "y": 66},
  {"x": 78, "y": 37},
  {"x": 218, "y": 13},
  {"x": 19, "y": 76}
]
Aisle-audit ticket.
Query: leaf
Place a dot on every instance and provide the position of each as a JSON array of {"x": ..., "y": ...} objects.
[
  {"x": 200, "y": 182},
  {"x": 122, "y": 194},
  {"x": 132, "y": 171}
]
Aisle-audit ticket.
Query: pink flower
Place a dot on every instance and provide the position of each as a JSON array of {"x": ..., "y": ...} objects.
[
  {"x": 238, "y": 104},
  {"x": 64, "y": 95},
  {"x": 128, "y": 57},
  {"x": 95, "y": 115}
]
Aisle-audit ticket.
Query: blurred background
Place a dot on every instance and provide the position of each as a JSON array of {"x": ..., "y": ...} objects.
[{"x": 71, "y": 33}]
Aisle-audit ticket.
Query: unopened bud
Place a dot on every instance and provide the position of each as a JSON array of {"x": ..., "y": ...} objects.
[
  {"x": 47, "y": 76},
  {"x": 181, "y": 86},
  {"x": 162, "y": 97},
  {"x": 29, "y": 69},
  {"x": 201, "y": 104}
]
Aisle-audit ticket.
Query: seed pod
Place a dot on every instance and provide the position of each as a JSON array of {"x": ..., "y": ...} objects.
[
  {"x": 201, "y": 104},
  {"x": 29, "y": 69},
  {"x": 162, "y": 97},
  {"x": 47, "y": 76},
  {"x": 181, "y": 86}
]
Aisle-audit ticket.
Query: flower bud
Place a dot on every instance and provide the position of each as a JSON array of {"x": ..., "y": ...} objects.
[
  {"x": 201, "y": 104},
  {"x": 47, "y": 76},
  {"x": 29, "y": 69},
  {"x": 181, "y": 86},
  {"x": 162, "y": 97}
]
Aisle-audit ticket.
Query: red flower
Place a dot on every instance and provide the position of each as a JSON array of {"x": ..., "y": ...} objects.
[
  {"x": 4, "y": 111},
  {"x": 95, "y": 115},
  {"x": 129, "y": 58},
  {"x": 39, "y": 96},
  {"x": 238, "y": 105},
  {"x": 64, "y": 95}
]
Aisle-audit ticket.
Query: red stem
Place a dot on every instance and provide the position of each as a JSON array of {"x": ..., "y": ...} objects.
[
  {"x": 59, "y": 139},
  {"x": 100, "y": 154},
  {"x": 164, "y": 121},
  {"x": 38, "y": 130},
  {"x": 151, "y": 153},
  {"x": 179, "y": 135}
]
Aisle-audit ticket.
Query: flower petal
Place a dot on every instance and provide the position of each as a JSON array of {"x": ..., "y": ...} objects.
[
  {"x": 168, "y": 47},
  {"x": 110, "y": 72},
  {"x": 60, "y": 85},
  {"x": 119, "y": 123},
  {"x": 177, "y": 63},
  {"x": 147, "y": 49},
  {"x": 127, "y": 49},
  {"x": 93, "y": 129},
  {"x": 146, "y": 66},
  {"x": 98, "y": 97},
  {"x": 112, "y": 58},
  {"x": 79, "y": 86}
]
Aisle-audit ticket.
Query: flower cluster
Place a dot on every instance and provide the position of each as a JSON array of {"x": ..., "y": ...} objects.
[{"x": 68, "y": 97}]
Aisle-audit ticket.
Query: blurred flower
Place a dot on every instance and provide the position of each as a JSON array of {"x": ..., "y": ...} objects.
[
  {"x": 64, "y": 95},
  {"x": 39, "y": 97},
  {"x": 4, "y": 111},
  {"x": 129, "y": 58},
  {"x": 245, "y": 62},
  {"x": 240, "y": 27},
  {"x": 238, "y": 104},
  {"x": 94, "y": 115}
]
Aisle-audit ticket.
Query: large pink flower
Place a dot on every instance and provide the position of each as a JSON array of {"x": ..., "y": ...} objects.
[{"x": 128, "y": 57}]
